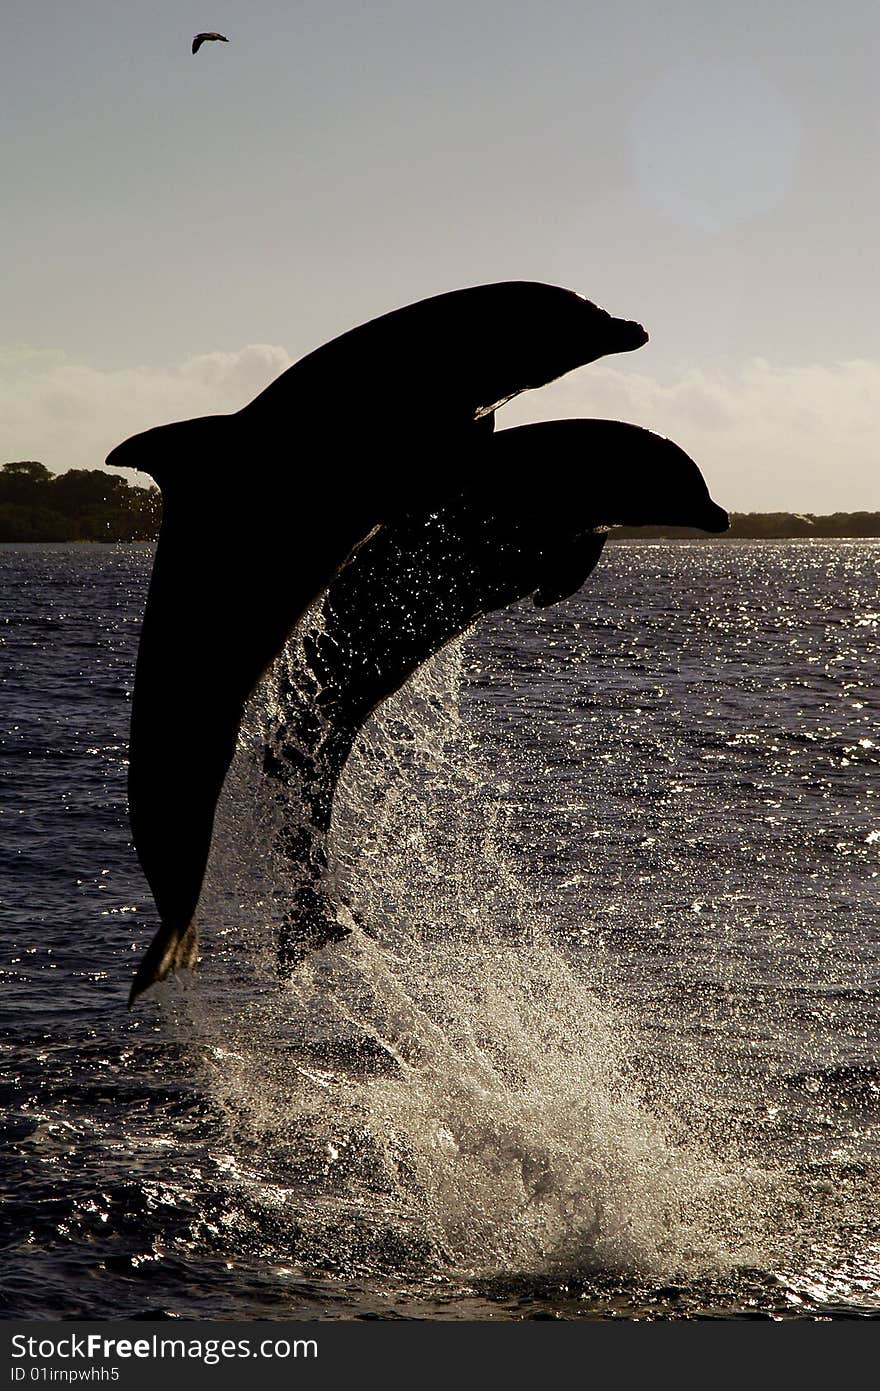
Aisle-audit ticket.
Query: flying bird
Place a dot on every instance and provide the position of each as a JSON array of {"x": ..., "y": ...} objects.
[{"x": 203, "y": 38}]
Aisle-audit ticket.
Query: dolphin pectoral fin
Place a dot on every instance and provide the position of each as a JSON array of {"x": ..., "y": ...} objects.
[
  {"x": 569, "y": 571},
  {"x": 170, "y": 950}
]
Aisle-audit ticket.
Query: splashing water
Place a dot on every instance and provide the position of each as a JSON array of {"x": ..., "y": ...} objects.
[{"x": 447, "y": 1088}]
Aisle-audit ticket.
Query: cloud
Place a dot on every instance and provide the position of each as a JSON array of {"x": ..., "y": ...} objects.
[
  {"x": 70, "y": 414},
  {"x": 767, "y": 437}
]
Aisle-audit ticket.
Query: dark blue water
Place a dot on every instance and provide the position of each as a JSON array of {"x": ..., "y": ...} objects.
[{"x": 609, "y": 1043}]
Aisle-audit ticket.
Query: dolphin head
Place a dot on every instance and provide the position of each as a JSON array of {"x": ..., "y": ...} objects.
[
  {"x": 540, "y": 332},
  {"x": 662, "y": 486},
  {"x": 597, "y": 473}
]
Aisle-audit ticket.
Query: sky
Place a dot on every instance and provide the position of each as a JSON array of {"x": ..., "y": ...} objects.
[{"x": 176, "y": 230}]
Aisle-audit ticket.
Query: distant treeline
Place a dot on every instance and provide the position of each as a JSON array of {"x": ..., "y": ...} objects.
[
  {"x": 81, "y": 505},
  {"x": 774, "y": 526},
  {"x": 90, "y": 505}
]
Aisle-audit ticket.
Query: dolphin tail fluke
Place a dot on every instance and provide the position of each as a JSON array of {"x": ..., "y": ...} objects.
[{"x": 170, "y": 950}]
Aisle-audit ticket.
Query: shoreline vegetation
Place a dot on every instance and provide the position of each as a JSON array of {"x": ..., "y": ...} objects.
[
  {"x": 80, "y": 505},
  {"x": 91, "y": 505}
]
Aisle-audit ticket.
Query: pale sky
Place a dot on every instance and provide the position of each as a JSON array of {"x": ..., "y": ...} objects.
[{"x": 175, "y": 230}]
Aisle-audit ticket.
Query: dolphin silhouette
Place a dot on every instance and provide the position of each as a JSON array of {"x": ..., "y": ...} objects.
[
  {"x": 416, "y": 584},
  {"x": 389, "y": 426}
]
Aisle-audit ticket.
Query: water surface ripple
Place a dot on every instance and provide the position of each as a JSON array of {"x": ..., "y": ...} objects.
[{"x": 604, "y": 1042}]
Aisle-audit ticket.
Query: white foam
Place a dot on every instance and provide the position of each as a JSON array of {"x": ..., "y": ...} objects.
[{"x": 457, "y": 1079}]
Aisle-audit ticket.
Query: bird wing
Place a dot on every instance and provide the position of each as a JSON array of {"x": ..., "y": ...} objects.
[{"x": 201, "y": 38}]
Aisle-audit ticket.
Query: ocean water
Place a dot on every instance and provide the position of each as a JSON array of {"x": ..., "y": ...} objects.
[{"x": 603, "y": 1042}]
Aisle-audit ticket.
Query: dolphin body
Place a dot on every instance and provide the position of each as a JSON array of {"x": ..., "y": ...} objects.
[
  {"x": 416, "y": 584},
  {"x": 330, "y": 482}
]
